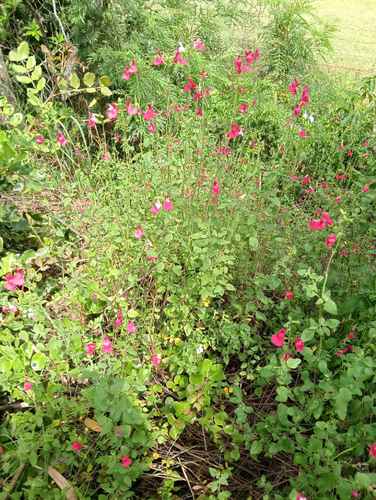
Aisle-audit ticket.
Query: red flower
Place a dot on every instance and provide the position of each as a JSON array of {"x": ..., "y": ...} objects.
[
  {"x": 90, "y": 348},
  {"x": 372, "y": 450},
  {"x": 235, "y": 131},
  {"x": 152, "y": 128},
  {"x": 27, "y": 386},
  {"x": 305, "y": 96},
  {"x": 15, "y": 280},
  {"x": 293, "y": 87},
  {"x": 190, "y": 85},
  {"x": 241, "y": 67},
  {"x": 126, "y": 461},
  {"x": 301, "y": 496},
  {"x": 325, "y": 217},
  {"x": 299, "y": 344},
  {"x": 178, "y": 58},
  {"x": 278, "y": 339},
  {"x": 331, "y": 240},
  {"x": 365, "y": 188},
  {"x": 289, "y": 295},
  {"x": 316, "y": 225},
  {"x": 216, "y": 190},
  {"x": 199, "y": 112},
  {"x": 158, "y": 60},
  {"x": 306, "y": 180},
  {"x": 350, "y": 153},
  {"x": 302, "y": 133},
  {"x": 243, "y": 108},
  {"x": 76, "y": 446},
  {"x": 39, "y": 139}
]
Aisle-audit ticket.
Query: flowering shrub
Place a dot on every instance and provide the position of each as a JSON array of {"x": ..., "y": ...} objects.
[{"x": 195, "y": 316}]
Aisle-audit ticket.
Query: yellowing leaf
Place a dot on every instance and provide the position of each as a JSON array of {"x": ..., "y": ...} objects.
[
  {"x": 106, "y": 91},
  {"x": 62, "y": 483},
  {"x": 92, "y": 425},
  {"x": 74, "y": 81},
  {"x": 89, "y": 79}
]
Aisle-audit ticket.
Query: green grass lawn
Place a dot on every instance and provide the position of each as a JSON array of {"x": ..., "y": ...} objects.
[{"x": 354, "y": 42}]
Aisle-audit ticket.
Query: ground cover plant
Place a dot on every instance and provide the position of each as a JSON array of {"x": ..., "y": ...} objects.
[{"x": 188, "y": 244}]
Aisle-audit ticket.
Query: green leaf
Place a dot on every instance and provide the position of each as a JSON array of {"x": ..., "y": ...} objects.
[
  {"x": 18, "y": 68},
  {"x": 253, "y": 242},
  {"x": 293, "y": 363},
  {"x": 23, "y": 79},
  {"x": 342, "y": 399},
  {"x": 30, "y": 63},
  {"x": 330, "y": 306},
  {"x": 364, "y": 481},
  {"x": 92, "y": 103},
  {"x": 106, "y": 91},
  {"x": 89, "y": 79},
  {"x": 308, "y": 334},
  {"x": 74, "y": 81},
  {"x": 90, "y": 90},
  {"x": 16, "y": 119},
  {"x": 37, "y": 73},
  {"x": 282, "y": 394},
  {"x": 23, "y": 51},
  {"x": 256, "y": 448},
  {"x": 41, "y": 84}
]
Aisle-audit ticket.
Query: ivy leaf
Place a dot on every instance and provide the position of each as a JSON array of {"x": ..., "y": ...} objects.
[{"x": 342, "y": 399}]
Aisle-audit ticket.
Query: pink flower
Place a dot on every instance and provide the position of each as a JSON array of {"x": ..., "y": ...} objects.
[
  {"x": 9, "y": 309},
  {"x": 293, "y": 87},
  {"x": 289, "y": 295},
  {"x": 112, "y": 111},
  {"x": 155, "y": 360},
  {"x": 168, "y": 205},
  {"x": 235, "y": 131},
  {"x": 299, "y": 344},
  {"x": 286, "y": 356},
  {"x": 106, "y": 156},
  {"x": 305, "y": 96},
  {"x": 297, "y": 111},
  {"x": 199, "y": 112},
  {"x": 355, "y": 494},
  {"x": 250, "y": 57},
  {"x": 27, "y": 386},
  {"x": 40, "y": 139},
  {"x": 126, "y": 461},
  {"x": 158, "y": 60},
  {"x": 91, "y": 121},
  {"x": 152, "y": 128},
  {"x": 316, "y": 225},
  {"x": 190, "y": 85},
  {"x": 243, "y": 108},
  {"x": 302, "y": 133},
  {"x": 301, "y": 496},
  {"x": 372, "y": 450},
  {"x": 131, "y": 327},
  {"x": 61, "y": 139},
  {"x": 325, "y": 217},
  {"x": 178, "y": 58},
  {"x": 365, "y": 188},
  {"x": 139, "y": 233},
  {"x": 149, "y": 114},
  {"x": 152, "y": 258},
  {"x": 199, "y": 45},
  {"x": 76, "y": 446},
  {"x": 338, "y": 200},
  {"x": 119, "y": 319},
  {"x": 131, "y": 110},
  {"x": 197, "y": 96},
  {"x": 129, "y": 71},
  {"x": 240, "y": 66},
  {"x": 278, "y": 339},
  {"x": 15, "y": 280},
  {"x": 216, "y": 190},
  {"x": 331, "y": 240},
  {"x": 350, "y": 153},
  {"x": 90, "y": 348},
  {"x": 156, "y": 208},
  {"x": 107, "y": 345}
]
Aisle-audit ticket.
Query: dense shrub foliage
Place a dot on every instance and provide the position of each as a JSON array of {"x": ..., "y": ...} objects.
[{"x": 188, "y": 290}]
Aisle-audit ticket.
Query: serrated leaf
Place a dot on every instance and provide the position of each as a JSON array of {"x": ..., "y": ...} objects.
[
  {"x": 23, "y": 79},
  {"x": 37, "y": 73},
  {"x": 106, "y": 91},
  {"x": 89, "y": 79},
  {"x": 293, "y": 363},
  {"x": 74, "y": 81},
  {"x": 342, "y": 399},
  {"x": 30, "y": 63},
  {"x": 330, "y": 306}
]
